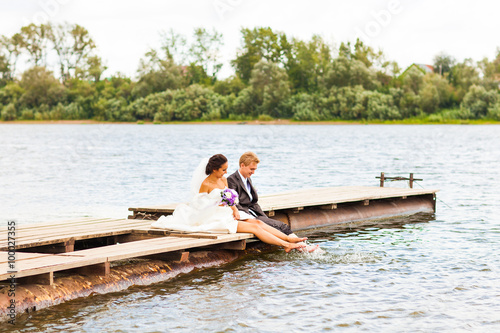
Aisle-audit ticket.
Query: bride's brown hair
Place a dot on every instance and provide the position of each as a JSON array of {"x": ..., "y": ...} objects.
[{"x": 215, "y": 163}]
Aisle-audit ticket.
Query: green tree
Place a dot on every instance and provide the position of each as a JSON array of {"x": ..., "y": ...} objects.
[
  {"x": 231, "y": 85},
  {"x": 494, "y": 111},
  {"x": 73, "y": 46},
  {"x": 10, "y": 93},
  {"x": 429, "y": 98},
  {"x": 34, "y": 39},
  {"x": 4, "y": 70},
  {"x": 258, "y": 43},
  {"x": 174, "y": 45},
  {"x": 307, "y": 62},
  {"x": 10, "y": 50},
  {"x": 8, "y": 112},
  {"x": 443, "y": 63},
  {"x": 205, "y": 51},
  {"x": 344, "y": 72},
  {"x": 374, "y": 60},
  {"x": 156, "y": 75},
  {"x": 381, "y": 106},
  {"x": 412, "y": 80},
  {"x": 478, "y": 100},
  {"x": 94, "y": 68},
  {"x": 463, "y": 76},
  {"x": 349, "y": 102},
  {"x": 270, "y": 86},
  {"x": 41, "y": 87}
]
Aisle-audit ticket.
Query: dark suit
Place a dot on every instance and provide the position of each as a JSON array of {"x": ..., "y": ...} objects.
[{"x": 235, "y": 182}]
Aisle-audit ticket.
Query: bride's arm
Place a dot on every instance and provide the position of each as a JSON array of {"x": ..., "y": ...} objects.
[
  {"x": 236, "y": 213},
  {"x": 204, "y": 188}
]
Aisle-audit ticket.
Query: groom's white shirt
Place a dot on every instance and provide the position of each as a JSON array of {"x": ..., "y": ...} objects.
[
  {"x": 245, "y": 215},
  {"x": 245, "y": 185}
]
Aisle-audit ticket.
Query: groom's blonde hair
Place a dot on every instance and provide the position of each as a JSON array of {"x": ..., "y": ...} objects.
[{"x": 249, "y": 157}]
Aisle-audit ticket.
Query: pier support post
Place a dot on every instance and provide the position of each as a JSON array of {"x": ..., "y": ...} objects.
[
  {"x": 239, "y": 245},
  {"x": 382, "y": 179},
  {"x": 97, "y": 269},
  {"x": 177, "y": 256},
  {"x": 46, "y": 279}
]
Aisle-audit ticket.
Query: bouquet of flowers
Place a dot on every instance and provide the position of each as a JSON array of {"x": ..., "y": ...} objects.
[{"x": 229, "y": 197}]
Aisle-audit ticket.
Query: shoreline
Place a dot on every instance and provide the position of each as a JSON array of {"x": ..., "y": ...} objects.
[{"x": 251, "y": 122}]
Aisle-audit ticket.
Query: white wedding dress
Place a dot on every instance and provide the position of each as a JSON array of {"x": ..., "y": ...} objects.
[{"x": 203, "y": 213}]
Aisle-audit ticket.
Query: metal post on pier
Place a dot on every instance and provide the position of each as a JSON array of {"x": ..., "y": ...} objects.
[{"x": 411, "y": 180}]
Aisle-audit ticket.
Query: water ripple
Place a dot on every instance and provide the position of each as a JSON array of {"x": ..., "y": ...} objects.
[{"x": 421, "y": 273}]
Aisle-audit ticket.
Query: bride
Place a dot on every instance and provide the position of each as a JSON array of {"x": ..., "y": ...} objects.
[{"x": 205, "y": 212}]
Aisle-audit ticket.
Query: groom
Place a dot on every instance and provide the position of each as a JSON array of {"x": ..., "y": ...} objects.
[{"x": 248, "y": 206}]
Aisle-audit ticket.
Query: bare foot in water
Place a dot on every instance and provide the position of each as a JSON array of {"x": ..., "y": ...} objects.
[
  {"x": 310, "y": 248},
  {"x": 296, "y": 239},
  {"x": 295, "y": 246}
]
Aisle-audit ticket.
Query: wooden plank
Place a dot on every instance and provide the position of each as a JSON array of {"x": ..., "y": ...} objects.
[
  {"x": 21, "y": 256},
  {"x": 315, "y": 197},
  {"x": 177, "y": 233},
  {"x": 43, "y": 265},
  {"x": 23, "y": 236},
  {"x": 37, "y": 226},
  {"x": 101, "y": 255},
  {"x": 26, "y": 235},
  {"x": 50, "y": 230},
  {"x": 116, "y": 225},
  {"x": 154, "y": 246},
  {"x": 78, "y": 234},
  {"x": 58, "y": 239}
]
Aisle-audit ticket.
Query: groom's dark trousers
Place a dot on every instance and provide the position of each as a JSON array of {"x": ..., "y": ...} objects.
[{"x": 235, "y": 182}]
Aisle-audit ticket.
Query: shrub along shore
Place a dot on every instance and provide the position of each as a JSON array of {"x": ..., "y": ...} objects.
[
  {"x": 409, "y": 121},
  {"x": 276, "y": 77}
]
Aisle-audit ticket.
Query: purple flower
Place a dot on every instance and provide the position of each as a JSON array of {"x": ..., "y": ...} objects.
[{"x": 229, "y": 197}]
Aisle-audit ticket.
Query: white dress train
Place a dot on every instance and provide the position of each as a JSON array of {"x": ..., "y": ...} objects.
[{"x": 202, "y": 214}]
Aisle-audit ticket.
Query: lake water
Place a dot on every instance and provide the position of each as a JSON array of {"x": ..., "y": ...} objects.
[{"x": 422, "y": 274}]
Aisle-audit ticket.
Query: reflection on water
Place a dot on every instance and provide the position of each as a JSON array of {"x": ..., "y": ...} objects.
[
  {"x": 366, "y": 228},
  {"x": 421, "y": 273}
]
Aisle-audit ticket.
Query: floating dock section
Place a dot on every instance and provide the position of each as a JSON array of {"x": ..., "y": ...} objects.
[{"x": 54, "y": 262}]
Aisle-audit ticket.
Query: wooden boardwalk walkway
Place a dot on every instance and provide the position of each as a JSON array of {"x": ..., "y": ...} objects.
[{"x": 42, "y": 249}]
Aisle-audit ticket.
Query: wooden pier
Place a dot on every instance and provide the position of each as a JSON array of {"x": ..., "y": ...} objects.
[
  {"x": 89, "y": 247},
  {"x": 320, "y": 207}
]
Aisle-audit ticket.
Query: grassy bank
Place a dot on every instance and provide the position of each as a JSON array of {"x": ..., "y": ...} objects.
[{"x": 409, "y": 121}]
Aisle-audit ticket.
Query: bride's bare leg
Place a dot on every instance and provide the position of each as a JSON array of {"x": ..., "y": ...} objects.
[
  {"x": 266, "y": 236},
  {"x": 276, "y": 232}
]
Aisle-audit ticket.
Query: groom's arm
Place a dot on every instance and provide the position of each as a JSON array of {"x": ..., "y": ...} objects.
[{"x": 232, "y": 184}]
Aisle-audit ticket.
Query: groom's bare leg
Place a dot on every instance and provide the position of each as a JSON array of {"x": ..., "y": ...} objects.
[
  {"x": 279, "y": 225},
  {"x": 265, "y": 236}
]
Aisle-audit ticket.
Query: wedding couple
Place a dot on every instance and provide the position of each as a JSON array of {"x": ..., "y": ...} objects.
[{"x": 207, "y": 213}]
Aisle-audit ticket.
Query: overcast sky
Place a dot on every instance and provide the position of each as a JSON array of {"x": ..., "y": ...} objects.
[{"x": 406, "y": 30}]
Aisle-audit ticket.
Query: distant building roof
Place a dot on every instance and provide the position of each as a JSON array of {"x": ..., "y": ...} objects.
[
  {"x": 421, "y": 67},
  {"x": 426, "y": 68}
]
